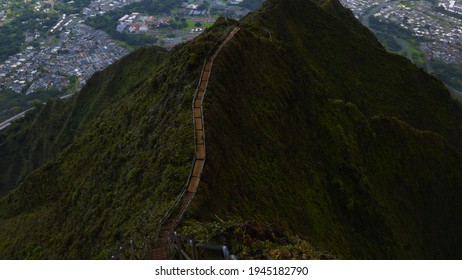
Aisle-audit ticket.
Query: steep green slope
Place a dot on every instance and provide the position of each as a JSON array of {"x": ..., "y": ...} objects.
[
  {"x": 51, "y": 127},
  {"x": 320, "y": 131},
  {"x": 112, "y": 160}
]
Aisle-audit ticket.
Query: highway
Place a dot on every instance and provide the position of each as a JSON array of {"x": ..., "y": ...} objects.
[
  {"x": 365, "y": 22},
  {"x": 405, "y": 47},
  {"x": 8, "y": 122}
]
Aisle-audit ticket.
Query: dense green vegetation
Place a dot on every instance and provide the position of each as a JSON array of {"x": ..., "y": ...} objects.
[
  {"x": 326, "y": 135},
  {"x": 251, "y": 240},
  {"x": 13, "y": 34},
  {"x": 107, "y": 163},
  {"x": 319, "y": 141}
]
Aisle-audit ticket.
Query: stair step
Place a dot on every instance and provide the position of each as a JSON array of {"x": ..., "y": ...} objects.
[{"x": 160, "y": 252}]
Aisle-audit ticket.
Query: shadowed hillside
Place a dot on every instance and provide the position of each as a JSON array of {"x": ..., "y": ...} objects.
[{"x": 320, "y": 131}]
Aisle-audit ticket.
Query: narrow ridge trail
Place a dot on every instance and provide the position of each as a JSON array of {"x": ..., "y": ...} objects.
[{"x": 160, "y": 251}]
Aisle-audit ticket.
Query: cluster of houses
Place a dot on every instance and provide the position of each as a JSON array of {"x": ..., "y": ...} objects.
[
  {"x": 100, "y": 7},
  {"x": 80, "y": 51},
  {"x": 442, "y": 33},
  {"x": 139, "y": 23},
  {"x": 452, "y": 6}
]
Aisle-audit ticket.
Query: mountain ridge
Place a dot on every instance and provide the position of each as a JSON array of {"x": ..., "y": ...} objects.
[
  {"x": 263, "y": 154},
  {"x": 312, "y": 127}
]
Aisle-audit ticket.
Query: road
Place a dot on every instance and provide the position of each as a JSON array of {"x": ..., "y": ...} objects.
[
  {"x": 371, "y": 12},
  {"x": 8, "y": 122},
  {"x": 405, "y": 47}
]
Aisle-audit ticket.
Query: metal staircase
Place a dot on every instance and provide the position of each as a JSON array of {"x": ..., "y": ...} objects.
[{"x": 173, "y": 217}]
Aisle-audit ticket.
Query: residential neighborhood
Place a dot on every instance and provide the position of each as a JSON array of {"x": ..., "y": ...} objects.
[
  {"x": 78, "y": 52},
  {"x": 64, "y": 55},
  {"x": 100, "y": 7},
  {"x": 181, "y": 25},
  {"x": 440, "y": 33}
]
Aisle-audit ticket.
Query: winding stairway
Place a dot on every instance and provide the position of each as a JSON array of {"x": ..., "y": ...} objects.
[{"x": 160, "y": 252}]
